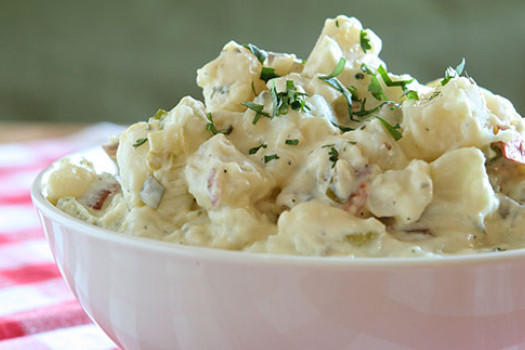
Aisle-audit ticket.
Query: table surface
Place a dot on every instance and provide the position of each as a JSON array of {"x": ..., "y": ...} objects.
[{"x": 20, "y": 132}]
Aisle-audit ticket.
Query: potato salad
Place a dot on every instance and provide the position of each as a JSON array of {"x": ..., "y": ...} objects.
[{"x": 328, "y": 156}]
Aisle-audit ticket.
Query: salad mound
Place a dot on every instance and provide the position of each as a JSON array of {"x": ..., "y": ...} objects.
[{"x": 328, "y": 156}]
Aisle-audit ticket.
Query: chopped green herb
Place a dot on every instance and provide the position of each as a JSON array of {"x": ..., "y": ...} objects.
[
  {"x": 331, "y": 80},
  {"x": 258, "y": 109},
  {"x": 352, "y": 142},
  {"x": 453, "y": 72},
  {"x": 391, "y": 129},
  {"x": 160, "y": 113},
  {"x": 329, "y": 145},
  {"x": 260, "y": 54},
  {"x": 289, "y": 98},
  {"x": 365, "y": 42},
  {"x": 337, "y": 70},
  {"x": 334, "y": 156},
  {"x": 375, "y": 89},
  {"x": 268, "y": 73},
  {"x": 388, "y": 81},
  {"x": 296, "y": 99},
  {"x": 211, "y": 126},
  {"x": 253, "y": 89},
  {"x": 359, "y": 76},
  {"x": 411, "y": 95},
  {"x": 270, "y": 157},
  {"x": 140, "y": 142},
  {"x": 255, "y": 149},
  {"x": 293, "y": 142},
  {"x": 366, "y": 70},
  {"x": 337, "y": 23}
]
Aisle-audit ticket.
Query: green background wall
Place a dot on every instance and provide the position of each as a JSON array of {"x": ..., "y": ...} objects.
[{"x": 115, "y": 60}]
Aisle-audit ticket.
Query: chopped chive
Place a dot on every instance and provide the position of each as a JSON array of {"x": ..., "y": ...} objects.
[{"x": 293, "y": 142}]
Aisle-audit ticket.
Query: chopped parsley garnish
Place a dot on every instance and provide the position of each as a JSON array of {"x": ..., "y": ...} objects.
[
  {"x": 160, "y": 113},
  {"x": 253, "y": 89},
  {"x": 359, "y": 76},
  {"x": 258, "y": 109},
  {"x": 366, "y": 70},
  {"x": 289, "y": 98},
  {"x": 393, "y": 130},
  {"x": 453, "y": 72},
  {"x": 293, "y": 142},
  {"x": 337, "y": 70},
  {"x": 140, "y": 142},
  {"x": 211, "y": 126},
  {"x": 375, "y": 88},
  {"x": 255, "y": 149},
  {"x": 388, "y": 81},
  {"x": 337, "y": 23},
  {"x": 411, "y": 95},
  {"x": 270, "y": 157},
  {"x": 364, "y": 41},
  {"x": 268, "y": 73},
  {"x": 260, "y": 54},
  {"x": 334, "y": 156},
  {"x": 331, "y": 79}
]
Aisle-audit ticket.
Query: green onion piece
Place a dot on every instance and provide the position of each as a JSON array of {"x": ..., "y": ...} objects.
[
  {"x": 270, "y": 157},
  {"x": 140, "y": 142},
  {"x": 292, "y": 142},
  {"x": 364, "y": 41},
  {"x": 391, "y": 129}
]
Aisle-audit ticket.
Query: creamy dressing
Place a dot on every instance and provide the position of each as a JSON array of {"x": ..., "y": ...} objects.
[{"x": 326, "y": 157}]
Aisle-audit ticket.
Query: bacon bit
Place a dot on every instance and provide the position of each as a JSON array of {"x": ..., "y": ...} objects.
[
  {"x": 103, "y": 195},
  {"x": 514, "y": 150},
  {"x": 111, "y": 150},
  {"x": 356, "y": 201},
  {"x": 211, "y": 184}
]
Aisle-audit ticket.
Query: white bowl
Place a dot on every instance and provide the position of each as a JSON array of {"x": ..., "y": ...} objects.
[{"x": 151, "y": 295}]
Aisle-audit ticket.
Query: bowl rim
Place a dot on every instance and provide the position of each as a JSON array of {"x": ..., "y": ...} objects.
[{"x": 45, "y": 208}]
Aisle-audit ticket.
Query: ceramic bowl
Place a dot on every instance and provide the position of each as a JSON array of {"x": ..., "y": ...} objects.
[{"x": 147, "y": 294}]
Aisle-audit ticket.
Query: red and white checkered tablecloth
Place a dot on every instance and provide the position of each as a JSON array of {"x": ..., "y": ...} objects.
[{"x": 37, "y": 309}]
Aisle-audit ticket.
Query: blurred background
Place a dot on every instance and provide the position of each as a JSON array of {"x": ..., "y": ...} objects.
[{"x": 87, "y": 61}]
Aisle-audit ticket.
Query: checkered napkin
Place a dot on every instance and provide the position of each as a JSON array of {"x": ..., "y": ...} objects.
[{"x": 37, "y": 309}]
